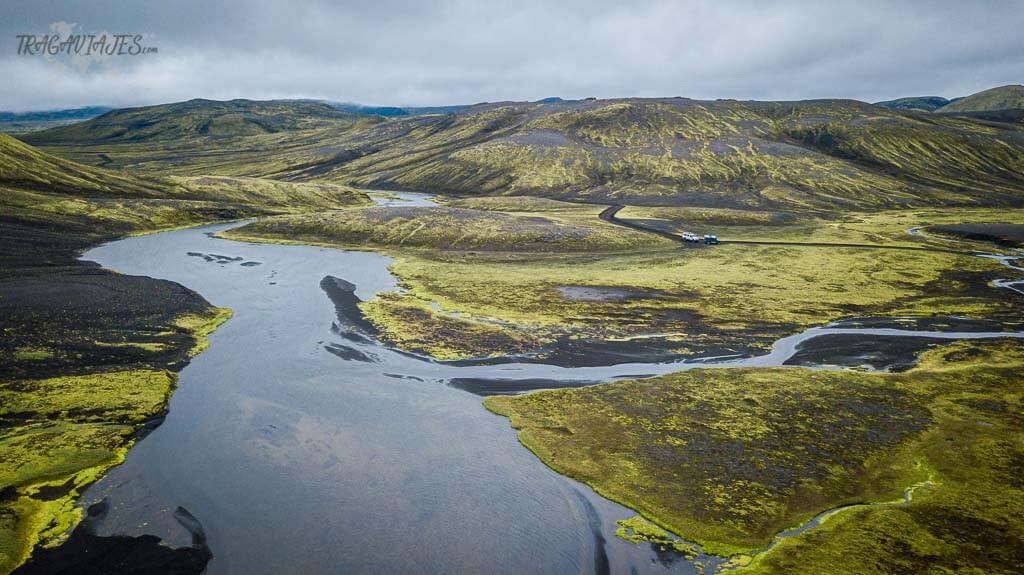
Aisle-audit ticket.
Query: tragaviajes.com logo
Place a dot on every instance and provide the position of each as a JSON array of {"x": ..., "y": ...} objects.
[
  {"x": 83, "y": 45},
  {"x": 83, "y": 49}
]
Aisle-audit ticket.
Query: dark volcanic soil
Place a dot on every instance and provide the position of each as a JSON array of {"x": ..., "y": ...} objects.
[
  {"x": 1011, "y": 235},
  {"x": 85, "y": 553}
]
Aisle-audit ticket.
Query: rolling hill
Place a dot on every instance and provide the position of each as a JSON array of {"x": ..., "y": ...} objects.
[
  {"x": 199, "y": 119},
  {"x": 927, "y": 103},
  {"x": 996, "y": 99},
  {"x": 822, "y": 156},
  {"x": 51, "y": 207}
]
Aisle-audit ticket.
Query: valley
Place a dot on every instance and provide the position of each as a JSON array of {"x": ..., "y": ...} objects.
[{"x": 368, "y": 322}]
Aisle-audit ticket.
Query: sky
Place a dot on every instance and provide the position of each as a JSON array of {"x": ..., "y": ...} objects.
[{"x": 421, "y": 52}]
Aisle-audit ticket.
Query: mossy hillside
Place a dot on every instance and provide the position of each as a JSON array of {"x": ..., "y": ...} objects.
[
  {"x": 199, "y": 119},
  {"x": 729, "y": 457},
  {"x": 59, "y": 434},
  {"x": 451, "y": 228},
  {"x": 926, "y": 103},
  {"x": 739, "y": 172},
  {"x": 950, "y": 160},
  {"x": 1002, "y": 98},
  {"x": 270, "y": 194},
  {"x": 820, "y": 156}
]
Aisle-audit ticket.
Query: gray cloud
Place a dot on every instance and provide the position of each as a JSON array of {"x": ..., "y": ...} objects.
[{"x": 411, "y": 52}]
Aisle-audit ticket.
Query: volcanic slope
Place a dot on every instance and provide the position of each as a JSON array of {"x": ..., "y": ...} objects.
[{"x": 824, "y": 156}]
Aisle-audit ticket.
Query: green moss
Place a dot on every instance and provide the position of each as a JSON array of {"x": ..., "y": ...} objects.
[
  {"x": 121, "y": 396},
  {"x": 412, "y": 325},
  {"x": 60, "y": 434},
  {"x": 637, "y": 530},
  {"x": 202, "y": 325},
  {"x": 729, "y": 457},
  {"x": 726, "y": 297},
  {"x": 32, "y": 353},
  {"x": 62, "y": 457}
]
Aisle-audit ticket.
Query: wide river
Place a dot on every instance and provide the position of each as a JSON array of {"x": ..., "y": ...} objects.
[{"x": 299, "y": 460}]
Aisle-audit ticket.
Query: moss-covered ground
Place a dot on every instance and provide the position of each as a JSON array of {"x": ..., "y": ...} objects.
[
  {"x": 59, "y": 434},
  {"x": 730, "y": 457},
  {"x": 730, "y": 297}
]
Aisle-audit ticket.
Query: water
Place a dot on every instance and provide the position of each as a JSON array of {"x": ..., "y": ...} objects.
[
  {"x": 388, "y": 199},
  {"x": 298, "y": 461}
]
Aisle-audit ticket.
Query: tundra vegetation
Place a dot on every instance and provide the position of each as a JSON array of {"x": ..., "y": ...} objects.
[{"x": 729, "y": 457}]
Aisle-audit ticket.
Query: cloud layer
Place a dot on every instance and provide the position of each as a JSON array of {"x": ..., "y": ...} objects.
[{"x": 412, "y": 52}]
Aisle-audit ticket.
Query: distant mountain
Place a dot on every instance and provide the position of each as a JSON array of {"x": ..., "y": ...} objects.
[
  {"x": 198, "y": 119},
  {"x": 551, "y": 100},
  {"x": 996, "y": 99},
  {"x": 392, "y": 111},
  {"x": 71, "y": 114},
  {"x": 928, "y": 103},
  {"x": 24, "y": 122}
]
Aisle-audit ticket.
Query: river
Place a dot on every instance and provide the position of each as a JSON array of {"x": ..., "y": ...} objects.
[{"x": 304, "y": 449}]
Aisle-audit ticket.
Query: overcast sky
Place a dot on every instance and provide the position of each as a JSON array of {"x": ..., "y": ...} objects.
[{"x": 418, "y": 52}]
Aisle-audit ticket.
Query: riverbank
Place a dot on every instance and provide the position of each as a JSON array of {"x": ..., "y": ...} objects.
[{"x": 88, "y": 357}]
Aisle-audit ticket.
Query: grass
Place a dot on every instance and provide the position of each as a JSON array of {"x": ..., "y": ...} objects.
[{"x": 729, "y": 457}]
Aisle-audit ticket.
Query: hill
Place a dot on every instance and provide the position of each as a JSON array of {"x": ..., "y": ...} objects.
[
  {"x": 394, "y": 110},
  {"x": 198, "y": 119},
  {"x": 823, "y": 156},
  {"x": 996, "y": 99},
  {"x": 52, "y": 207},
  {"x": 927, "y": 103}
]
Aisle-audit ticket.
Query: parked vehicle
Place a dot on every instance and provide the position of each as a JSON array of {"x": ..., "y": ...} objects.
[
  {"x": 690, "y": 237},
  {"x": 711, "y": 240}
]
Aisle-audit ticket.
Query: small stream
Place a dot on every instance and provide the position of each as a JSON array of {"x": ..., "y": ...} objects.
[{"x": 304, "y": 446}]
